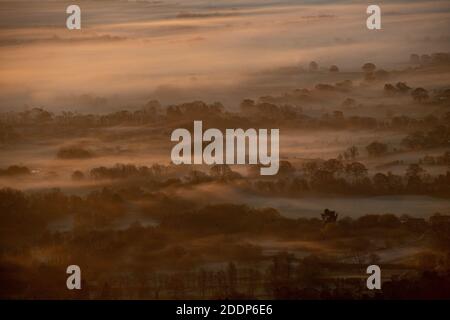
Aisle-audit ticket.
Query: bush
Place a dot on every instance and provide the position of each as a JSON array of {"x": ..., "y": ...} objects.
[
  {"x": 74, "y": 153},
  {"x": 15, "y": 171}
]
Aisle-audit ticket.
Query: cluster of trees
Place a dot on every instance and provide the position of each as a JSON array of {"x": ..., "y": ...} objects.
[
  {"x": 218, "y": 172},
  {"x": 168, "y": 175},
  {"x": 371, "y": 73},
  {"x": 442, "y": 160},
  {"x": 374, "y": 149},
  {"x": 313, "y": 66},
  {"x": 249, "y": 276},
  {"x": 279, "y": 109},
  {"x": 337, "y": 177},
  {"x": 282, "y": 111},
  {"x": 438, "y": 136},
  {"x": 286, "y": 115},
  {"x": 123, "y": 171},
  {"x": 227, "y": 219},
  {"x": 168, "y": 245},
  {"x": 29, "y": 214},
  {"x": 195, "y": 110},
  {"x": 267, "y": 110},
  {"x": 399, "y": 87},
  {"x": 159, "y": 176},
  {"x": 429, "y": 121},
  {"x": 148, "y": 113},
  {"x": 285, "y": 277},
  {"x": 14, "y": 170},
  {"x": 369, "y": 69},
  {"x": 32, "y": 212},
  {"x": 418, "y": 94},
  {"x": 306, "y": 278},
  {"x": 436, "y": 58},
  {"x": 233, "y": 219},
  {"x": 74, "y": 152},
  {"x": 303, "y": 95},
  {"x": 377, "y": 149},
  {"x": 350, "y": 154}
]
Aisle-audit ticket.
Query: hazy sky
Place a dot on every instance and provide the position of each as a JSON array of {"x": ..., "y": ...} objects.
[{"x": 130, "y": 52}]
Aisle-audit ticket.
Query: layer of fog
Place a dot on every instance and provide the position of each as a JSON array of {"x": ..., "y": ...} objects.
[
  {"x": 312, "y": 207},
  {"x": 130, "y": 52}
]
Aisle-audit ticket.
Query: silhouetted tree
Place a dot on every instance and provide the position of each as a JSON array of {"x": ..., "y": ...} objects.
[
  {"x": 334, "y": 68},
  {"x": 356, "y": 170},
  {"x": 368, "y": 67},
  {"x": 420, "y": 94},
  {"x": 77, "y": 175},
  {"x": 329, "y": 216},
  {"x": 377, "y": 149},
  {"x": 313, "y": 66},
  {"x": 402, "y": 87}
]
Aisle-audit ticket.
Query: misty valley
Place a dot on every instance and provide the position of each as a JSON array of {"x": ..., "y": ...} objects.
[
  {"x": 75, "y": 197},
  {"x": 225, "y": 150}
]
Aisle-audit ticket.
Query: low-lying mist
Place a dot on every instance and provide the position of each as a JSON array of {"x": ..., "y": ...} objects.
[{"x": 128, "y": 53}]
